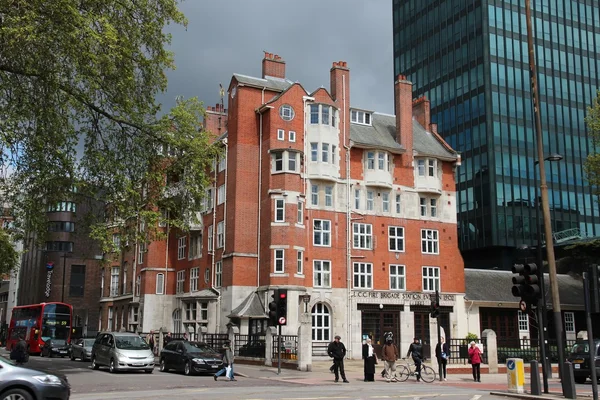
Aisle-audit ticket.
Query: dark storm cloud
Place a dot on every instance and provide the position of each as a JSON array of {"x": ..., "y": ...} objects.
[{"x": 229, "y": 36}]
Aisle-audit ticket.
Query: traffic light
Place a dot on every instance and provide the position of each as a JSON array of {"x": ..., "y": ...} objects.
[
  {"x": 282, "y": 306},
  {"x": 527, "y": 283},
  {"x": 435, "y": 306},
  {"x": 273, "y": 308}
]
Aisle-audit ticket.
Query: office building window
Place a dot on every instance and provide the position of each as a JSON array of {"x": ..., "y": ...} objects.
[
  {"x": 300, "y": 216},
  {"x": 300, "y": 262},
  {"x": 322, "y": 232},
  {"x": 370, "y": 204},
  {"x": 114, "y": 281},
  {"x": 523, "y": 321},
  {"x": 397, "y": 277},
  {"x": 431, "y": 279},
  {"x": 279, "y": 210},
  {"x": 180, "y": 282},
  {"x": 322, "y": 273},
  {"x": 569, "y": 322},
  {"x": 357, "y": 199},
  {"x": 195, "y": 246},
  {"x": 396, "y": 238},
  {"x": 429, "y": 241},
  {"x": 321, "y": 323},
  {"x": 279, "y": 261},
  {"x": 398, "y": 203},
  {"x": 314, "y": 113},
  {"x": 210, "y": 238},
  {"x": 292, "y": 136},
  {"x": 362, "y": 236},
  {"x": 363, "y": 275},
  {"x": 280, "y": 134},
  {"x": 220, "y": 234},
  {"x": 160, "y": 283},
  {"x": 385, "y": 201},
  {"x": 218, "y": 274},
  {"x": 194, "y": 274},
  {"x": 328, "y": 196},
  {"x": 181, "y": 242},
  {"x": 221, "y": 194},
  {"x": 314, "y": 195}
]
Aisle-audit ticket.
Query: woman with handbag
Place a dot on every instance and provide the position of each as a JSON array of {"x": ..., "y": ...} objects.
[
  {"x": 475, "y": 361},
  {"x": 370, "y": 359},
  {"x": 442, "y": 352}
]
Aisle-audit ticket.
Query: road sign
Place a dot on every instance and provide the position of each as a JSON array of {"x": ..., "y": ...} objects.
[
  {"x": 523, "y": 305},
  {"x": 49, "y": 265},
  {"x": 510, "y": 364},
  {"x": 282, "y": 321}
]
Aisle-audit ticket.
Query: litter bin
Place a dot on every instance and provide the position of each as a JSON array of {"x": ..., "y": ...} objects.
[{"x": 515, "y": 374}]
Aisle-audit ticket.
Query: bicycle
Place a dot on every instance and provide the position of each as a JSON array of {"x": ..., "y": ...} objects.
[{"x": 403, "y": 371}]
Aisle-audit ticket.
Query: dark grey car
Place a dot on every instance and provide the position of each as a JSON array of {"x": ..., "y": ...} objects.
[
  {"x": 19, "y": 383},
  {"x": 82, "y": 349}
]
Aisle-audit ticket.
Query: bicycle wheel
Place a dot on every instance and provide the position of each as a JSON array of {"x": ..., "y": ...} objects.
[
  {"x": 427, "y": 374},
  {"x": 402, "y": 373}
]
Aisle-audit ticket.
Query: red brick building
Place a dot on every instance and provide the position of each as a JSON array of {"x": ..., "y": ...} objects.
[{"x": 355, "y": 208}]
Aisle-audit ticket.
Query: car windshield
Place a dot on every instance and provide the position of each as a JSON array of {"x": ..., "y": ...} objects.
[
  {"x": 58, "y": 342},
  {"x": 131, "y": 343},
  {"x": 580, "y": 348},
  {"x": 194, "y": 347}
]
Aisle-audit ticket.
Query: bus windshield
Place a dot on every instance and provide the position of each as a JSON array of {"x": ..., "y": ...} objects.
[{"x": 56, "y": 322}]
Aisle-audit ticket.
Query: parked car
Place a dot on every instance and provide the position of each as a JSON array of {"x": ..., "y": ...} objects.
[
  {"x": 189, "y": 358},
  {"x": 122, "y": 351},
  {"x": 82, "y": 349},
  {"x": 29, "y": 384},
  {"x": 55, "y": 347},
  {"x": 579, "y": 357}
]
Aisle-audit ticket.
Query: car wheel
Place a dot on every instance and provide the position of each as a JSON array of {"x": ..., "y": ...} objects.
[
  {"x": 42, "y": 353},
  {"x": 94, "y": 363},
  {"x": 17, "y": 394},
  {"x": 112, "y": 367},
  {"x": 187, "y": 369},
  {"x": 163, "y": 366}
]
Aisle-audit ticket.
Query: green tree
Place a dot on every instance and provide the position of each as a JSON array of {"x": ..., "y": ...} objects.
[
  {"x": 78, "y": 87},
  {"x": 592, "y": 163},
  {"x": 9, "y": 257}
]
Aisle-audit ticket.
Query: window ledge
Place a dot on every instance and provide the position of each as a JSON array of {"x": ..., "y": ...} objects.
[
  {"x": 280, "y": 224},
  {"x": 279, "y": 275},
  {"x": 299, "y": 225},
  {"x": 299, "y": 276}
]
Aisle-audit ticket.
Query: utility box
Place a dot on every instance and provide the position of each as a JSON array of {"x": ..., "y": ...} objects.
[{"x": 515, "y": 374}]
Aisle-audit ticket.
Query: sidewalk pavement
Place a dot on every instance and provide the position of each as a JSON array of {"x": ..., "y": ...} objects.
[{"x": 320, "y": 375}]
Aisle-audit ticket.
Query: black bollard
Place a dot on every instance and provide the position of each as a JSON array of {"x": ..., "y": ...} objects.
[
  {"x": 568, "y": 381},
  {"x": 535, "y": 379}
]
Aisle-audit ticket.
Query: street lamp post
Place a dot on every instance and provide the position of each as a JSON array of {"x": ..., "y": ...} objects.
[
  {"x": 544, "y": 193},
  {"x": 541, "y": 309}
]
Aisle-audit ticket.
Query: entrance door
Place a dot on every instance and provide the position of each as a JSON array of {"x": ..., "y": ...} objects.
[{"x": 375, "y": 323}]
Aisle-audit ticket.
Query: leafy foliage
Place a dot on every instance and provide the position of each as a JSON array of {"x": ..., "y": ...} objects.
[
  {"x": 592, "y": 164},
  {"x": 9, "y": 256},
  {"x": 78, "y": 83}
]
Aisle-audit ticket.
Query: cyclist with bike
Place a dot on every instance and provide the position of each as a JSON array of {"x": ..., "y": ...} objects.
[{"x": 416, "y": 350}]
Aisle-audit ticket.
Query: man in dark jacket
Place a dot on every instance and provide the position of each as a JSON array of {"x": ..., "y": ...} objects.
[
  {"x": 19, "y": 352},
  {"x": 416, "y": 350},
  {"x": 337, "y": 351}
]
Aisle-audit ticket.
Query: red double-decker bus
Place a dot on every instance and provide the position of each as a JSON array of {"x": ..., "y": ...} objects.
[{"x": 38, "y": 323}]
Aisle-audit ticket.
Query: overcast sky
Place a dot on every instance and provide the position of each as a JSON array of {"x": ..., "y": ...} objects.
[{"x": 227, "y": 36}]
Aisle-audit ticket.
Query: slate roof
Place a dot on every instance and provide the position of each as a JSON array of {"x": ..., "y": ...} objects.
[
  {"x": 276, "y": 84},
  {"x": 382, "y": 134},
  {"x": 251, "y": 307},
  {"x": 495, "y": 287}
]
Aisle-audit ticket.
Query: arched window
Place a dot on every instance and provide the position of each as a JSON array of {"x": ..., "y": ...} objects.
[
  {"x": 321, "y": 323},
  {"x": 177, "y": 321}
]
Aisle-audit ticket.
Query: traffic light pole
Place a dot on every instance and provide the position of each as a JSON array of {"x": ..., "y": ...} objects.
[{"x": 279, "y": 350}]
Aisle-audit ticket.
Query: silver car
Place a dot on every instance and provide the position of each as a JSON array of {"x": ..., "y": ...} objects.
[
  {"x": 82, "y": 349},
  {"x": 122, "y": 351},
  {"x": 23, "y": 383}
]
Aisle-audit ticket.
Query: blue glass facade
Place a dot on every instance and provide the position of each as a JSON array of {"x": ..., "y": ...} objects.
[{"x": 470, "y": 58}]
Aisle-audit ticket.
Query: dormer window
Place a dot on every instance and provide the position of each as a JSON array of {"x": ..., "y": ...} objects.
[
  {"x": 360, "y": 117},
  {"x": 427, "y": 167}
]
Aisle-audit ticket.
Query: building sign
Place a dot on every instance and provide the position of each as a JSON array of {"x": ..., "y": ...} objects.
[
  {"x": 48, "y": 282},
  {"x": 404, "y": 297}
]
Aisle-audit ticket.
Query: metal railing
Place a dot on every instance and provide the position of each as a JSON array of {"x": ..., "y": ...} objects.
[
  {"x": 459, "y": 350},
  {"x": 216, "y": 340},
  {"x": 250, "y": 346},
  {"x": 319, "y": 349},
  {"x": 289, "y": 347}
]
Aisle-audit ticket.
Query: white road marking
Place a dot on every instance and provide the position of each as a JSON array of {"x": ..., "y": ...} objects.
[{"x": 476, "y": 397}]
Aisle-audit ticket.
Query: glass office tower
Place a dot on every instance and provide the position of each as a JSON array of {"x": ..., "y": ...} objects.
[{"x": 470, "y": 58}]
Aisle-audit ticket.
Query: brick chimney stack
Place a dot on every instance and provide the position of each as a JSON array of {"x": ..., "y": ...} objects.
[
  {"x": 273, "y": 65},
  {"x": 404, "y": 115},
  {"x": 421, "y": 112},
  {"x": 215, "y": 119},
  {"x": 339, "y": 83}
]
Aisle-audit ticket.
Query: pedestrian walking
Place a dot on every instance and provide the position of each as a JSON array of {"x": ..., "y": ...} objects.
[
  {"x": 389, "y": 354},
  {"x": 370, "y": 359},
  {"x": 167, "y": 339},
  {"x": 228, "y": 359},
  {"x": 337, "y": 351},
  {"x": 475, "y": 361},
  {"x": 442, "y": 352},
  {"x": 416, "y": 351},
  {"x": 151, "y": 342},
  {"x": 19, "y": 353}
]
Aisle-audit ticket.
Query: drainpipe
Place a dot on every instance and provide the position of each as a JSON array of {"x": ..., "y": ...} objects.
[
  {"x": 260, "y": 133},
  {"x": 214, "y": 235},
  {"x": 224, "y": 231},
  {"x": 468, "y": 315},
  {"x": 166, "y": 267},
  {"x": 348, "y": 227}
]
